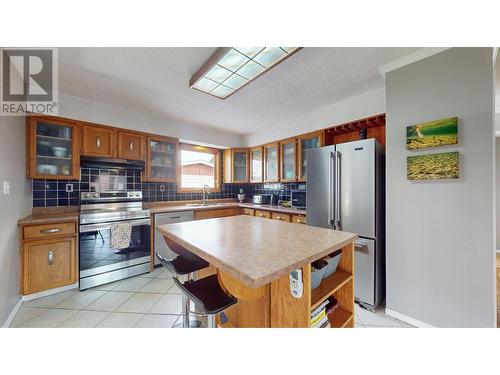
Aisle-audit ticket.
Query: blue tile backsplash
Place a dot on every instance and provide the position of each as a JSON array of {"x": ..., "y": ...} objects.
[{"x": 48, "y": 193}]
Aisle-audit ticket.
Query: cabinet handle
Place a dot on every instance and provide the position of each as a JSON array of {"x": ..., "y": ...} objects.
[
  {"x": 50, "y": 257},
  {"x": 130, "y": 145},
  {"x": 278, "y": 217},
  {"x": 98, "y": 142},
  {"x": 51, "y": 230}
]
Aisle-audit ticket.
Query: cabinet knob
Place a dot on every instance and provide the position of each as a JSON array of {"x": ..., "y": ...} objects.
[
  {"x": 98, "y": 142},
  {"x": 50, "y": 257}
]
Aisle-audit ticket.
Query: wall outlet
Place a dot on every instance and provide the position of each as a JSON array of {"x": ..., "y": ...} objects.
[
  {"x": 162, "y": 188},
  {"x": 69, "y": 188},
  {"x": 6, "y": 188}
]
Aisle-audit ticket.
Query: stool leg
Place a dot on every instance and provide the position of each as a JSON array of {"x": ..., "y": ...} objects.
[
  {"x": 211, "y": 320},
  {"x": 185, "y": 312}
]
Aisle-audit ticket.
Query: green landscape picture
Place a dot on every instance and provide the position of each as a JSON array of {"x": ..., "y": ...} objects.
[
  {"x": 433, "y": 166},
  {"x": 432, "y": 134}
]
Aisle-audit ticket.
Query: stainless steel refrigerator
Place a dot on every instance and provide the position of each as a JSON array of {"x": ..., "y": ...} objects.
[{"x": 346, "y": 191}]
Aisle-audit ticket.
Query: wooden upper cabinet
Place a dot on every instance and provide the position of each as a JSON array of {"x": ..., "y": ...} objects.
[
  {"x": 256, "y": 164},
  {"x": 288, "y": 160},
  {"x": 99, "y": 141},
  {"x": 52, "y": 148},
  {"x": 131, "y": 146},
  {"x": 161, "y": 159},
  {"x": 306, "y": 142},
  {"x": 271, "y": 162},
  {"x": 236, "y": 165}
]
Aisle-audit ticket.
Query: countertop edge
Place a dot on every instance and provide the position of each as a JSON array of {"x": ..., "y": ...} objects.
[{"x": 255, "y": 283}]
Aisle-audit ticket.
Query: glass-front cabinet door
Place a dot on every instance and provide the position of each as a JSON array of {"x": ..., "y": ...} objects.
[
  {"x": 307, "y": 142},
  {"x": 256, "y": 164},
  {"x": 53, "y": 148},
  {"x": 161, "y": 159},
  {"x": 240, "y": 165},
  {"x": 271, "y": 162},
  {"x": 288, "y": 149}
]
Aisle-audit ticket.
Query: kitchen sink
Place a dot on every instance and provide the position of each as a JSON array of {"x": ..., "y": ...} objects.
[{"x": 204, "y": 204}]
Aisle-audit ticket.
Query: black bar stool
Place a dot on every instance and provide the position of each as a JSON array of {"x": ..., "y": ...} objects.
[
  {"x": 206, "y": 293},
  {"x": 185, "y": 264}
]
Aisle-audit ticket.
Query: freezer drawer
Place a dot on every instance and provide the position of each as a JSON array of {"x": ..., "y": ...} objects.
[
  {"x": 364, "y": 271},
  {"x": 168, "y": 218}
]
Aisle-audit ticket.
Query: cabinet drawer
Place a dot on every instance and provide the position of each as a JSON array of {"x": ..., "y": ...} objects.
[
  {"x": 48, "y": 263},
  {"x": 48, "y": 230},
  {"x": 280, "y": 216},
  {"x": 248, "y": 212},
  {"x": 265, "y": 214},
  {"x": 221, "y": 212},
  {"x": 299, "y": 219}
]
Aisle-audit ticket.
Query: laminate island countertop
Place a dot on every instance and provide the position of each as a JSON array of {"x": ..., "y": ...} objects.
[{"x": 253, "y": 250}]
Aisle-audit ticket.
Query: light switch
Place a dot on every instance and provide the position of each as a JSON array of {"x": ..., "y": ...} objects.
[{"x": 6, "y": 188}]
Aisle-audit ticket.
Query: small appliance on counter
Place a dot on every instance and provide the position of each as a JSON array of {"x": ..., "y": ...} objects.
[
  {"x": 262, "y": 199},
  {"x": 298, "y": 199},
  {"x": 274, "y": 201},
  {"x": 241, "y": 196}
]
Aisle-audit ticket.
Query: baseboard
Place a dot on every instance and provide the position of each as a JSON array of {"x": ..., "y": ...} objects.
[
  {"x": 30, "y": 297},
  {"x": 13, "y": 313},
  {"x": 407, "y": 319}
]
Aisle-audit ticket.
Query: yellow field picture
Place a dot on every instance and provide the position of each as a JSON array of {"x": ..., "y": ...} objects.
[
  {"x": 432, "y": 134},
  {"x": 433, "y": 166}
]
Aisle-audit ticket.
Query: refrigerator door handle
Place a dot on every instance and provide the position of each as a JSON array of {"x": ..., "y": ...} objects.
[
  {"x": 338, "y": 162},
  {"x": 331, "y": 198}
]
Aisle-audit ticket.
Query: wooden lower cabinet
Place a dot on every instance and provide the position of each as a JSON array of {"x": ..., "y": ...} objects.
[
  {"x": 264, "y": 214},
  {"x": 248, "y": 212},
  {"x": 280, "y": 216},
  {"x": 221, "y": 212},
  {"x": 299, "y": 219},
  {"x": 48, "y": 263}
]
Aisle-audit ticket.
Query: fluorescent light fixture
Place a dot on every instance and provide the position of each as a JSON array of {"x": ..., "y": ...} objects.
[{"x": 231, "y": 68}]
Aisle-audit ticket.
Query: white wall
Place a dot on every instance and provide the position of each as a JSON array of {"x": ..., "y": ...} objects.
[
  {"x": 12, "y": 208},
  {"x": 92, "y": 111},
  {"x": 365, "y": 105},
  {"x": 440, "y": 234}
]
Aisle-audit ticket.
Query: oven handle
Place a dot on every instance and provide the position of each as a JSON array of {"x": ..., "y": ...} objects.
[{"x": 106, "y": 226}]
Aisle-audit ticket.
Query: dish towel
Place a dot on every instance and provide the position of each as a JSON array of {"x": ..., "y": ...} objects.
[{"x": 120, "y": 235}]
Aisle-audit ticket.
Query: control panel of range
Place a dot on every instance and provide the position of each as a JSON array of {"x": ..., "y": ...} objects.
[{"x": 125, "y": 195}]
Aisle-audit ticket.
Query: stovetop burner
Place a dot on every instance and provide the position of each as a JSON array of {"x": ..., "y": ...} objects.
[{"x": 111, "y": 207}]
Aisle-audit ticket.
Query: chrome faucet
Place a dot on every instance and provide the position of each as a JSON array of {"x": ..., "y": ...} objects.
[{"x": 205, "y": 193}]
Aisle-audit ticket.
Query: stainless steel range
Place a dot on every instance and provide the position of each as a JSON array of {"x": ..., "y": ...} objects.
[{"x": 100, "y": 263}]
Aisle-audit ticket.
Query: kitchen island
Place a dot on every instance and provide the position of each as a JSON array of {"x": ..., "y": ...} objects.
[{"x": 253, "y": 259}]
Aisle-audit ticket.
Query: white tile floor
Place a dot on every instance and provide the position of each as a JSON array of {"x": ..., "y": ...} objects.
[
  {"x": 149, "y": 300},
  {"x": 146, "y": 301}
]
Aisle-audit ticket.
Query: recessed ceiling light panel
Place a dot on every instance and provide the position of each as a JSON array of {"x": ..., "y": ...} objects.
[{"x": 231, "y": 68}]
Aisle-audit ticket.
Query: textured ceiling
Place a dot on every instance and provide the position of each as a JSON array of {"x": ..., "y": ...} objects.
[{"x": 155, "y": 80}]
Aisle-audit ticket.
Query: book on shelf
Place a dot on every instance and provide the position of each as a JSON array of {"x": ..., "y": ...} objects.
[
  {"x": 318, "y": 309},
  {"x": 321, "y": 322},
  {"x": 326, "y": 324},
  {"x": 320, "y": 317},
  {"x": 332, "y": 306}
]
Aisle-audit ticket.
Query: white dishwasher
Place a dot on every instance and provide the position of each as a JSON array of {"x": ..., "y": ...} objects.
[{"x": 168, "y": 218}]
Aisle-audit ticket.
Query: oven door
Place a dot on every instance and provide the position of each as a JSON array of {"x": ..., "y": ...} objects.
[{"x": 97, "y": 256}]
